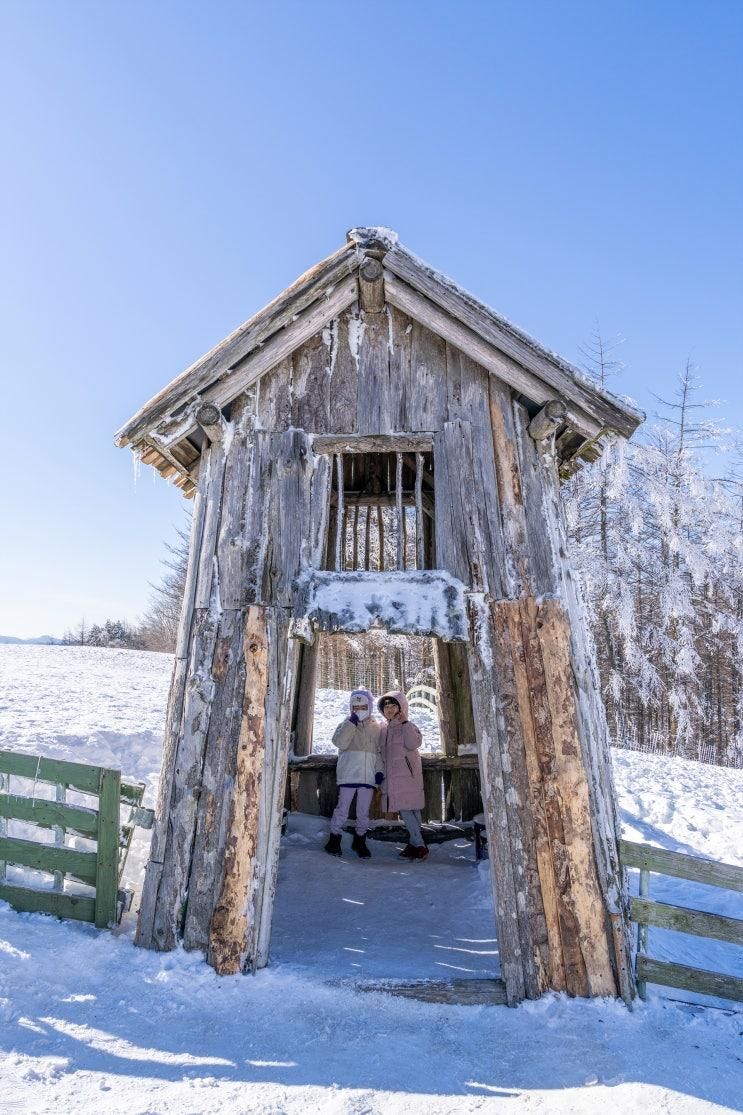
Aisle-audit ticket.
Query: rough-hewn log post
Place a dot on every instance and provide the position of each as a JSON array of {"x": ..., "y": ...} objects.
[
  {"x": 306, "y": 698},
  {"x": 551, "y": 899},
  {"x": 553, "y": 575},
  {"x": 233, "y": 913},
  {"x": 166, "y": 876}
]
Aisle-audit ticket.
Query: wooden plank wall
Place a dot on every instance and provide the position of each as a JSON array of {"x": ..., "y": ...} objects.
[{"x": 372, "y": 373}]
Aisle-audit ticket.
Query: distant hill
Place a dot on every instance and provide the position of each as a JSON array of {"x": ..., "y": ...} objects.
[{"x": 47, "y": 640}]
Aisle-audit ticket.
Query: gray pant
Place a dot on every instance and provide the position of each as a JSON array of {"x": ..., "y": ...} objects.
[
  {"x": 364, "y": 795},
  {"x": 411, "y": 818}
]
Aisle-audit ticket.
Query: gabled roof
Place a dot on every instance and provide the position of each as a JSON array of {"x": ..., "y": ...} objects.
[{"x": 159, "y": 431}]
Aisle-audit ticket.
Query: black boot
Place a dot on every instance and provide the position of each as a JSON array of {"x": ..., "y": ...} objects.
[
  {"x": 333, "y": 846},
  {"x": 359, "y": 846}
]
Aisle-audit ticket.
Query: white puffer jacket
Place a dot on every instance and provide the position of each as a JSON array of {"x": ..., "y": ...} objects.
[{"x": 359, "y": 758}]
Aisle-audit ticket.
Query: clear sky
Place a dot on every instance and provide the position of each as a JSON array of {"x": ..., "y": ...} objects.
[{"x": 169, "y": 167}]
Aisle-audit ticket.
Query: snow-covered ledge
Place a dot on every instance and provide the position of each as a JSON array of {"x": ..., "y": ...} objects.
[{"x": 424, "y": 602}]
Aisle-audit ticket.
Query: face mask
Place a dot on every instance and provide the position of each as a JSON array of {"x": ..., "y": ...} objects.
[{"x": 362, "y": 711}]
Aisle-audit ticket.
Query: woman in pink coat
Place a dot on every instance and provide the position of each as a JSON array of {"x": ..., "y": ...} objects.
[{"x": 399, "y": 741}]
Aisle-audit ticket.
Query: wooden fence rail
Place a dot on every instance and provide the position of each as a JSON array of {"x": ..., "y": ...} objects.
[
  {"x": 99, "y": 869},
  {"x": 311, "y": 787},
  {"x": 645, "y": 913}
]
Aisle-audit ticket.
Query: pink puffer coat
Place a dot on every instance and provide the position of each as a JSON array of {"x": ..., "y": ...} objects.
[{"x": 399, "y": 741}]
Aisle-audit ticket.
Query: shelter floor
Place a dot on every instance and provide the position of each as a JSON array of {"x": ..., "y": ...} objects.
[{"x": 382, "y": 917}]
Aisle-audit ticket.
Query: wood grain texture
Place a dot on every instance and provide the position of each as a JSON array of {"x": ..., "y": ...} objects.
[
  {"x": 107, "y": 850},
  {"x": 552, "y": 574},
  {"x": 377, "y": 400},
  {"x": 274, "y": 396},
  {"x": 685, "y": 920},
  {"x": 344, "y": 371},
  {"x": 681, "y": 866},
  {"x": 689, "y": 979},
  {"x": 553, "y": 372},
  {"x": 228, "y": 929},
  {"x": 69, "y": 906},
  {"x": 48, "y": 814},
  {"x": 457, "y": 992}
]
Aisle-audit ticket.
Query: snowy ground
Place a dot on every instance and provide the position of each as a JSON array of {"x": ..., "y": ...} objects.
[{"x": 88, "y": 1023}]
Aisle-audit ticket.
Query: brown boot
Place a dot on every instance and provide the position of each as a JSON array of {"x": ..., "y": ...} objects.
[
  {"x": 408, "y": 852},
  {"x": 420, "y": 853}
]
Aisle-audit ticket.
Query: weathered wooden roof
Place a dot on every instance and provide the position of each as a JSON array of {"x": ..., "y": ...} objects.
[{"x": 164, "y": 431}]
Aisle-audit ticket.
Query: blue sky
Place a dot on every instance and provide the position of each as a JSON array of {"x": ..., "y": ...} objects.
[{"x": 168, "y": 168}]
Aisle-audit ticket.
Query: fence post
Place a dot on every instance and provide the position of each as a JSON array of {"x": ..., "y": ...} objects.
[
  {"x": 60, "y": 795},
  {"x": 642, "y": 930},
  {"x": 107, "y": 861},
  {"x": 4, "y": 788}
]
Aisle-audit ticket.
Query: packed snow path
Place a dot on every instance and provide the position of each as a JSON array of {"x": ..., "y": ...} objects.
[
  {"x": 88, "y": 1023},
  {"x": 382, "y": 917}
]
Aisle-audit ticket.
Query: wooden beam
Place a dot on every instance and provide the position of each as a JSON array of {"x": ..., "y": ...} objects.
[
  {"x": 371, "y": 286},
  {"x": 687, "y": 978},
  {"x": 430, "y": 761},
  {"x": 309, "y": 288},
  {"x": 456, "y": 992},
  {"x": 243, "y": 374},
  {"x": 544, "y": 424},
  {"x": 680, "y": 865},
  {"x": 420, "y": 308},
  {"x": 373, "y": 443},
  {"x": 555, "y": 373},
  {"x": 210, "y": 419},
  {"x": 682, "y": 919}
]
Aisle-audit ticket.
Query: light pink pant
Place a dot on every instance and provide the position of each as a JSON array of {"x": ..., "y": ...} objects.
[{"x": 345, "y": 797}]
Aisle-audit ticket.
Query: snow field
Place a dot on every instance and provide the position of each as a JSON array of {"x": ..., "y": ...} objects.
[{"x": 88, "y": 1023}]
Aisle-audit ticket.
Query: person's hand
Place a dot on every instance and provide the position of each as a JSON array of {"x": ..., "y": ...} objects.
[
  {"x": 354, "y": 719},
  {"x": 379, "y": 778}
]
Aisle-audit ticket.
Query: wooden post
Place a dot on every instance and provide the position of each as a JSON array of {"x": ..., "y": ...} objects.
[
  {"x": 60, "y": 795},
  {"x": 420, "y": 559},
  {"x": 163, "y": 893},
  {"x": 553, "y": 921},
  {"x": 367, "y": 538},
  {"x": 642, "y": 930},
  {"x": 371, "y": 286},
  {"x": 340, "y": 517},
  {"x": 4, "y": 789},
  {"x": 306, "y": 698},
  {"x": 107, "y": 852},
  {"x": 234, "y": 913},
  {"x": 552, "y": 575},
  {"x": 399, "y": 512}
]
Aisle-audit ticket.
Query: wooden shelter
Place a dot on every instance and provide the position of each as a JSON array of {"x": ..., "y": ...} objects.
[{"x": 378, "y": 448}]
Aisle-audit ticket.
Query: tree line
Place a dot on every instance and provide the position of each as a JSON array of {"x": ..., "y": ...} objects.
[
  {"x": 656, "y": 528},
  {"x": 157, "y": 628}
]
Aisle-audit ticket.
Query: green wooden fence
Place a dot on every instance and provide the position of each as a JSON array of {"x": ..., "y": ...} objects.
[
  {"x": 100, "y": 869},
  {"x": 647, "y": 913}
]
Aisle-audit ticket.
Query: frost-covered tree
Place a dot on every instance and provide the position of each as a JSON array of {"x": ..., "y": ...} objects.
[
  {"x": 658, "y": 543},
  {"x": 159, "y": 626}
]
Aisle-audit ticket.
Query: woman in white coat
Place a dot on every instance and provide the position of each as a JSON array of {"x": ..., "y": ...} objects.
[{"x": 358, "y": 771}]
